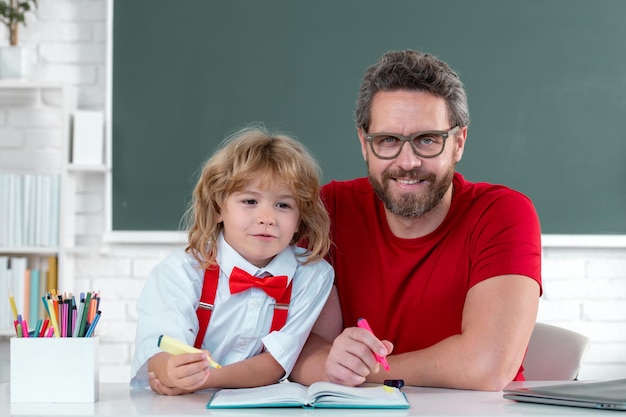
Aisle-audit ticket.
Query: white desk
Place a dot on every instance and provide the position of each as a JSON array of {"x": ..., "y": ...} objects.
[{"x": 120, "y": 400}]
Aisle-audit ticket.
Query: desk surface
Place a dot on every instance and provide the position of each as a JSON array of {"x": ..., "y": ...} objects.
[{"x": 120, "y": 400}]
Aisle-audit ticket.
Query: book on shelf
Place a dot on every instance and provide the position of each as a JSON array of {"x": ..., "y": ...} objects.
[
  {"x": 27, "y": 310},
  {"x": 43, "y": 228},
  {"x": 52, "y": 276},
  {"x": 11, "y": 207},
  {"x": 29, "y": 209},
  {"x": 27, "y": 286},
  {"x": 55, "y": 196},
  {"x": 12, "y": 272},
  {"x": 317, "y": 395},
  {"x": 17, "y": 271},
  {"x": 18, "y": 208},
  {"x": 35, "y": 296},
  {"x": 43, "y": 280},
  {"x": 5, "y": 309}
]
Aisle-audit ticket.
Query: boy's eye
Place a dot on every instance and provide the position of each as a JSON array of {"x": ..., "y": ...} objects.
[
  {"x": 249, "y": 201},
  {"x": 283, "y": 205}
]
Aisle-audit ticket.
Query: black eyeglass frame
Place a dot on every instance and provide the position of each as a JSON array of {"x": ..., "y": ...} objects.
[{"x": 444, "y": 134}]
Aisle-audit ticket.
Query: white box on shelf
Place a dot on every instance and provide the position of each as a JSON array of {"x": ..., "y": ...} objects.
[
  {"x": 54, "y": 369},
  {"x": 88, "y": 137},
  {"x": 16, "y": 62}
]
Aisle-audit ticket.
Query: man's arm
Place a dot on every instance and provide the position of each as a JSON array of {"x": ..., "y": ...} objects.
[{"x": 498, "y": 319}]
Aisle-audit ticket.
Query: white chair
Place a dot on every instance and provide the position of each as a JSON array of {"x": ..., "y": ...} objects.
[{"x": 554, "y": 353}]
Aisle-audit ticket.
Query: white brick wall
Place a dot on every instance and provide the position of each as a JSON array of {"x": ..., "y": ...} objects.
[{"x": 584, "y": 289}]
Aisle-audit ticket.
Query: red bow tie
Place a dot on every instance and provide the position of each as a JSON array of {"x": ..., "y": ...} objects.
[{"x": 240, "y": 281}]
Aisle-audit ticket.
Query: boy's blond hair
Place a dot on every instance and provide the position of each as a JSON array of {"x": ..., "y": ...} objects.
[{"x": 247, "y": 155}]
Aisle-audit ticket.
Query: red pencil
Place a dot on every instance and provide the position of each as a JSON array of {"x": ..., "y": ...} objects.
[{"x": 42, "y": 332}]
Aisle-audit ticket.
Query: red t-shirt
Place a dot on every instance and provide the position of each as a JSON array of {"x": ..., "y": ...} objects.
[{"x": 412, "y": 291}]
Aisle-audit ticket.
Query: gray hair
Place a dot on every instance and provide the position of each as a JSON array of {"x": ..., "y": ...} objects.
[{"x": 412, "y": 70}]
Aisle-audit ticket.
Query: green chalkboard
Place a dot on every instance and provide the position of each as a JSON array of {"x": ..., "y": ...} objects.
[{"x": 546, "y": 82}]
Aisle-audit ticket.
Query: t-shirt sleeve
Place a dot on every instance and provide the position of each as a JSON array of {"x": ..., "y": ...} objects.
[{"x": 506, "y": 239}]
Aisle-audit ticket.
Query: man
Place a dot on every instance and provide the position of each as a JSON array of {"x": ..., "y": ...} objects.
[{"x": 447, "y": 272}]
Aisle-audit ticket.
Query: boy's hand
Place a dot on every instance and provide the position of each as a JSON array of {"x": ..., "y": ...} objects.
[
  {"x": 159, "y": 388},
  {"x": 179, "y": 374},
  {"x": 188, "y": 371}
]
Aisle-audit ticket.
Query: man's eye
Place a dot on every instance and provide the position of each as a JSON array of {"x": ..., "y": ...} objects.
[
  {"x": 429, "y": 140},
  {"x": 388, "y": 140}
]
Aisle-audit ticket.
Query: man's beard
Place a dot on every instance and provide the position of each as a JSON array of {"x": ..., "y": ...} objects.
[{"x": 411, "y": 205}]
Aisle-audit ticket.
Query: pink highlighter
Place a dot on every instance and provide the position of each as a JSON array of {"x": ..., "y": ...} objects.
[{"x": 362, "y": 323}]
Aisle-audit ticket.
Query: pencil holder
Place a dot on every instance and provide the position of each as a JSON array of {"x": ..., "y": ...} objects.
[{"x": 54, "y": 370}]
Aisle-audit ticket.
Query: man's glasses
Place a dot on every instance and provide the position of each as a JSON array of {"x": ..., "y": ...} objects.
[{"x": 425, "y": 144}]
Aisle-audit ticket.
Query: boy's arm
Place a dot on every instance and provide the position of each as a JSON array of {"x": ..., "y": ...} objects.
[{"x": 258, "y": 370}]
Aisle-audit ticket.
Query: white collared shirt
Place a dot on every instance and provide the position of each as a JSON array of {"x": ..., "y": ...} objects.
[{"x": 240, "y": 323}]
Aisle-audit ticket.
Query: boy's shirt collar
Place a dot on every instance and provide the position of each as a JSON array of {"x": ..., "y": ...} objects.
[{"x": 284, "y": 263}]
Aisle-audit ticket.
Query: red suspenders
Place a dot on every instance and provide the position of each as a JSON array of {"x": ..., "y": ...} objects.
[{"x": 207, "y": 300}]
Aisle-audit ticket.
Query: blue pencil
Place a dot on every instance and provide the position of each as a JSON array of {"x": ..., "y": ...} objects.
[{"x": 93, "y": 325}]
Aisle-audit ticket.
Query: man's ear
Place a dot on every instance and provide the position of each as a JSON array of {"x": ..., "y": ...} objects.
[
  {"x": 459, "y": 143},
  {"x": 361, "y": 135}
]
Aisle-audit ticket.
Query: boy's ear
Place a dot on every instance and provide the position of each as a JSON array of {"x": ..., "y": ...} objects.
[{"x": 218, "y": 213}]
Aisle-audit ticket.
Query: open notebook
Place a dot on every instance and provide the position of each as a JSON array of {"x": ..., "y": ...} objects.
[
  {"x": 609, "y": 395},
  {"x": 318, "y": 395}
]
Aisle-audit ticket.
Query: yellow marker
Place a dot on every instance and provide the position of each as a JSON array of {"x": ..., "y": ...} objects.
[
  {"x": 13, "y": 307},
  {"x": 53, "y": 318},
  {"x": 170, "y": 345}
]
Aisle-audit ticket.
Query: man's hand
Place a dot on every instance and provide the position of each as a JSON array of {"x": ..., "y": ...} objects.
[{"x": 351, "y": 358}]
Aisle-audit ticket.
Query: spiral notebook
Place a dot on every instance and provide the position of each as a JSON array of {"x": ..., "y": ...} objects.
[{"x": 606, "y": 395}]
